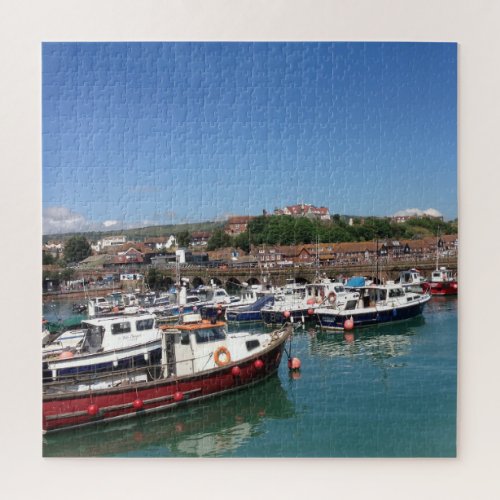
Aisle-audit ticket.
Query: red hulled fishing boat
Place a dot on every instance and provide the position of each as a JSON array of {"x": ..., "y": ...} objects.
[
  {"x": 442, "y": 282},
  {"x": 199, "y": 360}
]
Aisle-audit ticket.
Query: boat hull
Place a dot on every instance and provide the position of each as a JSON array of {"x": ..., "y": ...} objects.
[
  {"x": 443, "y": 288},
  {"x": 335, "y": 321},
  {"x": 243, "y": 316},
  {"x": 276, "y": 318},
  {"x": 69, "y": 410}
]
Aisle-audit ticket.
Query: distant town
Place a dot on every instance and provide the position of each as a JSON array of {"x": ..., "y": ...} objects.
[{"x": 289, "y": 237}]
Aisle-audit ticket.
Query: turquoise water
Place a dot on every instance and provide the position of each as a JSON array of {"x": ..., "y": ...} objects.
[{"x": 386, "y": 391}]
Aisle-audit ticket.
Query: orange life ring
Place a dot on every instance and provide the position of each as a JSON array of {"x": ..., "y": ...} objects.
[
  {"x": 227, "y": 354},
  {"x": 332, "y": 298}
]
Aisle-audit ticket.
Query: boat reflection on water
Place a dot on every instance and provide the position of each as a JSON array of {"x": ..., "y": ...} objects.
[
  {"x": 376, "y": 343},
  {"x": 209, "y": 429}
]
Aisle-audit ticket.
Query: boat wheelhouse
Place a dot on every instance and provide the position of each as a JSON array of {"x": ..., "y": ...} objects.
[
  {"x": 372, "y": 305},
  {"x": 199, "y": 360}
]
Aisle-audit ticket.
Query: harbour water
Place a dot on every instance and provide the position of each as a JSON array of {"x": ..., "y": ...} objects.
[{"x": 387, "y": 391}]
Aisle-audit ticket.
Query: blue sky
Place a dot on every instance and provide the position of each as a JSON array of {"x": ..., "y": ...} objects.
[{"x": 151, "y": 133}]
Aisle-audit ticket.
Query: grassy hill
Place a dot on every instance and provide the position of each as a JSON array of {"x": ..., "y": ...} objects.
[{"x": 139, "y": 234}]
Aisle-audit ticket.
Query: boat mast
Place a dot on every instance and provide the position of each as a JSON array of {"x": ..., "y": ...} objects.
[{"x": 437, "y": 250}]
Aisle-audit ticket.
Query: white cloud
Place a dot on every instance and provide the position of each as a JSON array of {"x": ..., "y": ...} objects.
[
  {"x": 416, "y": 212},
  {"x": 58, "y": 220},
  {"x": 62, "y": 220}
]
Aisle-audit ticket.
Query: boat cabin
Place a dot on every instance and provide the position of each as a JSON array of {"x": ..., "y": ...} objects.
[
  {"x": 104, "y": 334},
  {"x": 192, "y": 346},
  {"x": 411, "y": 277},
  {"x": 441, "y": 275}
]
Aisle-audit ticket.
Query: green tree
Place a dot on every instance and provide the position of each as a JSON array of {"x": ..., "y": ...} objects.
[
  {"x": 47, "y": 258},
  {"x": 76, "y": 249},
  {"x": 242, "y": 241},
  {"x": 183, "y": 238},
  {"x": 219, "y": 239}
]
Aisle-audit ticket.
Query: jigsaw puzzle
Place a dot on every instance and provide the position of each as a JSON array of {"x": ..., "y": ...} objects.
[{"x": 249, "y": 249}]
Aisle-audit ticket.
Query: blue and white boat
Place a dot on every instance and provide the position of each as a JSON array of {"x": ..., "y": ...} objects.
[
  {"x": 372, "y": 305},
  {"x": 111, "y": 343},
  {"x": 300, "y": 302},
  {"x": 249, "y": 312}
]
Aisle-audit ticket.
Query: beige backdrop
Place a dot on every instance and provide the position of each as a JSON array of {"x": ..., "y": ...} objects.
[{"x": 24, "y": 25}]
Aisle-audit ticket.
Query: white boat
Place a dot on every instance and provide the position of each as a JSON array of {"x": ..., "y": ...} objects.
[
  {"x": 372, "y": 305},
  {"x": 411, "y": 281},
  {"x": 104, "y": 344},
  {"x": 302, "y": 303}
]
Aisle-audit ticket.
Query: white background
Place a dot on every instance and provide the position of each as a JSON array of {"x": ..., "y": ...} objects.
[{"x": 24, "y": 25}]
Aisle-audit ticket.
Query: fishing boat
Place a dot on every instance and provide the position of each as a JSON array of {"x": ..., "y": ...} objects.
[
  {"x": 301, "y": 305},
  {"x": 372, "y": 305},
  {"x": 442, "y": 282},
  {"x": 103, "y": 344},
  {"x": 199, "y": 360}
]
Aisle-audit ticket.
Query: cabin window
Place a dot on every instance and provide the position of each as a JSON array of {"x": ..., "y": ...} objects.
[
  {"x": 144, "y": 324},
  {"x": 350, "y": 305},
  {"x": 396, "y": 292},
  {"x": 184, "y": 338},
  {"x": 123, "y": 327},
  {"x": 252, "y": 344},
  {"x": 93, "y": 338},
  {"x": 339, "y": 289},
  {"x": 209, "y": 335}
]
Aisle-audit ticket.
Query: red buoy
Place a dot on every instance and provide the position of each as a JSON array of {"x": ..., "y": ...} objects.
[
  {"x": 310, "y": 301},
  {"x": 294, "y": 364},
  {"x": 178, "y": 396},
  {"x": 93, "y": 409},
  {"x": 138, "y": 404},
  {"x": 195, "y": 309},
  {"x": 348, "y": 324},
  {"x": 310, "y": 312},
  {"x": 286, "y": 314},
  {"x": 259, "y": 364},
  {"x": 66, "y": 355},
  {"x": 236, "y": 371}
]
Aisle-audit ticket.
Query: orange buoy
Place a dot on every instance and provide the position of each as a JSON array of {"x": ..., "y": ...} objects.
[{"x": 348, "y": 324}]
